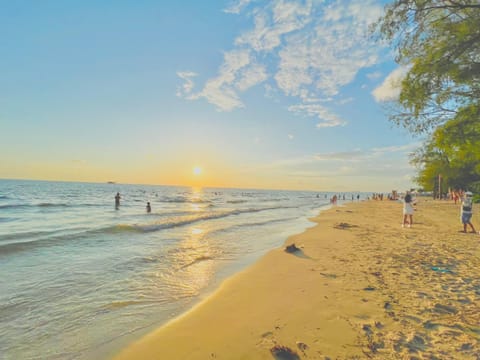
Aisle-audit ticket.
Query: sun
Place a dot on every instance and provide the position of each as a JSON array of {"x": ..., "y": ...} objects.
[{"x": 197, "y": 170}]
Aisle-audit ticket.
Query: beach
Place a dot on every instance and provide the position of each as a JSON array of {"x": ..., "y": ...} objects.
[{"x": 360, "y": 287}]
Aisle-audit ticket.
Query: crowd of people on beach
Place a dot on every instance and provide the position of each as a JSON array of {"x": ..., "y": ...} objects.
[
  {"x": 335, "y": 198},
  {"x": 466, "y": 208}
]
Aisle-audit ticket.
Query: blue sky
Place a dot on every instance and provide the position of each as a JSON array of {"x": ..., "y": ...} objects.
[{"x": 258, "y": 94}]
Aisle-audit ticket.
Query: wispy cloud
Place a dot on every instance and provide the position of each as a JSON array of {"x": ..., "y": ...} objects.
[
  {"x": 375, "y": 75},
  {"x": 394, "y": 149},
  {"x": 236, "y": 6},
  {"x": 221, "y": 91},
  {"x": 327, "y": 118},
  {"x": 376, "y": 168},
  {"x": 251, "y": 76},
  {"x": 390, "y": 88},
  {"x": 345, "y": 101},
  {"x": 350, "y": 156},
  {"x": 186, "y": 88},
  {"x": 273, "y": 21},
  {"x": 308, "y": 50},
  {"x": 361, "y": 155}
]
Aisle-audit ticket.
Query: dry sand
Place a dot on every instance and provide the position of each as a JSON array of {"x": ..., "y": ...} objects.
[{"x": 362, "y": 287}]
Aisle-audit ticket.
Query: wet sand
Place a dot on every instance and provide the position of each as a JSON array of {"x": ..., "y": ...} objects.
[{"x": 360, "y": 287}]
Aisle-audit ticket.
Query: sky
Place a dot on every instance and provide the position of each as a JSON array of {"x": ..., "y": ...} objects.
[{"x": 223, "y": 93}]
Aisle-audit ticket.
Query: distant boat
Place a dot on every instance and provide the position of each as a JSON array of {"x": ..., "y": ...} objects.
[{"x": 111, "y": 182}]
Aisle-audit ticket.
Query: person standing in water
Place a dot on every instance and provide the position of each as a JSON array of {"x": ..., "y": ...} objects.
[
  {"x": 149, "y": 208},
  {"x": 117, "y": 200}
]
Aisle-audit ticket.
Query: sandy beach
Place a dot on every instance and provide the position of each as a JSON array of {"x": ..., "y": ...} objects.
[{"x": 361, "y": 287}]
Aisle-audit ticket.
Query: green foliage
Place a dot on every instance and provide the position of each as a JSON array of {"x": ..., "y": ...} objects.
[{"x": 439, "y": 42}]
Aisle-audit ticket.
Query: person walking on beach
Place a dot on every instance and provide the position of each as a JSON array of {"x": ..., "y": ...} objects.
[
  {"x": 408, "y": 210},
  {"x": 466, "y": 212},
  {"x": 149, "y": 208},
  {"x": 117, "y": 201}
]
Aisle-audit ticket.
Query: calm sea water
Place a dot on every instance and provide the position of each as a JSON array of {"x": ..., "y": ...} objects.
[{"x": 80, "y": 279}]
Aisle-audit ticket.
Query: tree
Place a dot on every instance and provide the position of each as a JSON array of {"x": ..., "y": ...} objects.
[
  {"x": 439, "y": 42},
  {"x": 453, "y": 150}
]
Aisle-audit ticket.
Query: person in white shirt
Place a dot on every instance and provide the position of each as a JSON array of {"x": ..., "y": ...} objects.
[
  {"x": 408, "y": 210},
  {"x": 466, "y": 212}
]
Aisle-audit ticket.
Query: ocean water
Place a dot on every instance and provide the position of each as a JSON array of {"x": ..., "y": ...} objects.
[{"x": 80, "y": 279}]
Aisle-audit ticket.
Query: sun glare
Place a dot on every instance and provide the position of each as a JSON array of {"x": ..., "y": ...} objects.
[{"x": 197, "y": 170}]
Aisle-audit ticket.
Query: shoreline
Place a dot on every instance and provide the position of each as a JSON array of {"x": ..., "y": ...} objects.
[{"x": 361, "y": 286}]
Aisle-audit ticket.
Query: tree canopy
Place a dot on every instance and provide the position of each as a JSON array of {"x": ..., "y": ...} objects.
[{"x": 439, "y": 42}]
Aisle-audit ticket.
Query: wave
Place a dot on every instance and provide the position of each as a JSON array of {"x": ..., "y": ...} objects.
[
  {"x": 12, "y": 206},
  {"x": 236, "y": 201},
  {"x": 266, "y": 222},
  {"x": 197, "y": 260},
  {"x": 25, "y": 235},
  {"x": 46, "y": 205},
  {"x": 22, "y": 241},
  {"x": 181, "y": 199},
  {"x": 170, "y": 223},
  {"x": 253, "y": 224},
  {"x": 121, "y": 304},
  {"x": 50, "y": 205},
  {"x": 276, "y": 199}
]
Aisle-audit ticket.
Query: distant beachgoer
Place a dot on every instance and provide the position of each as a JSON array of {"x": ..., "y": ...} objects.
[
  {"x": 117, "y": 200},
  {"x": 408, "y": 210},
  {"x": 149, "y": 208},
  {"x": 467, "y": 211},
  {"x": 358, "y": 197},
  {"x": 455, "y": 197}
]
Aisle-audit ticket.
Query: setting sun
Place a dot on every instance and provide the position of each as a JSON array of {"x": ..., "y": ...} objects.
[{"x": 197, "y": 170}]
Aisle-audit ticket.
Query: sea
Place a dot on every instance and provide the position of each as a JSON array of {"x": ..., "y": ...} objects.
[{"x": 81, "y": 279}]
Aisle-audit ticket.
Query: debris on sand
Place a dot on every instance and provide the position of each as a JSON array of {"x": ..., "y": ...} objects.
[
  {"x": 291, "y": 248},
  {"x": 302, "y": 346},
  {"x": 284, "y": 353},
  {"x": 343, "y": 226}
]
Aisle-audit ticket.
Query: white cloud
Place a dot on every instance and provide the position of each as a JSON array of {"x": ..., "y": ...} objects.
[
  {"x": 308, "y": 50},
  {"x": 399, "y": 148},
  {"x": 345, "y": 101},
  {"x": 188, "y": 84},
  {"x": 374, "y": 75},
  {"x": 251, "y": 76},
  {"x": 354, "y": 155},
  {"x": 391, "y": 161},
  {"x": 271, "y": 23},
  {"x": 328, "y": 119},
  {"x": 390, "y": 88},
  {"x": 237, "y": 6},
  {"x": 372, "y": 154},
  {"x": 220, "y": 91}
]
